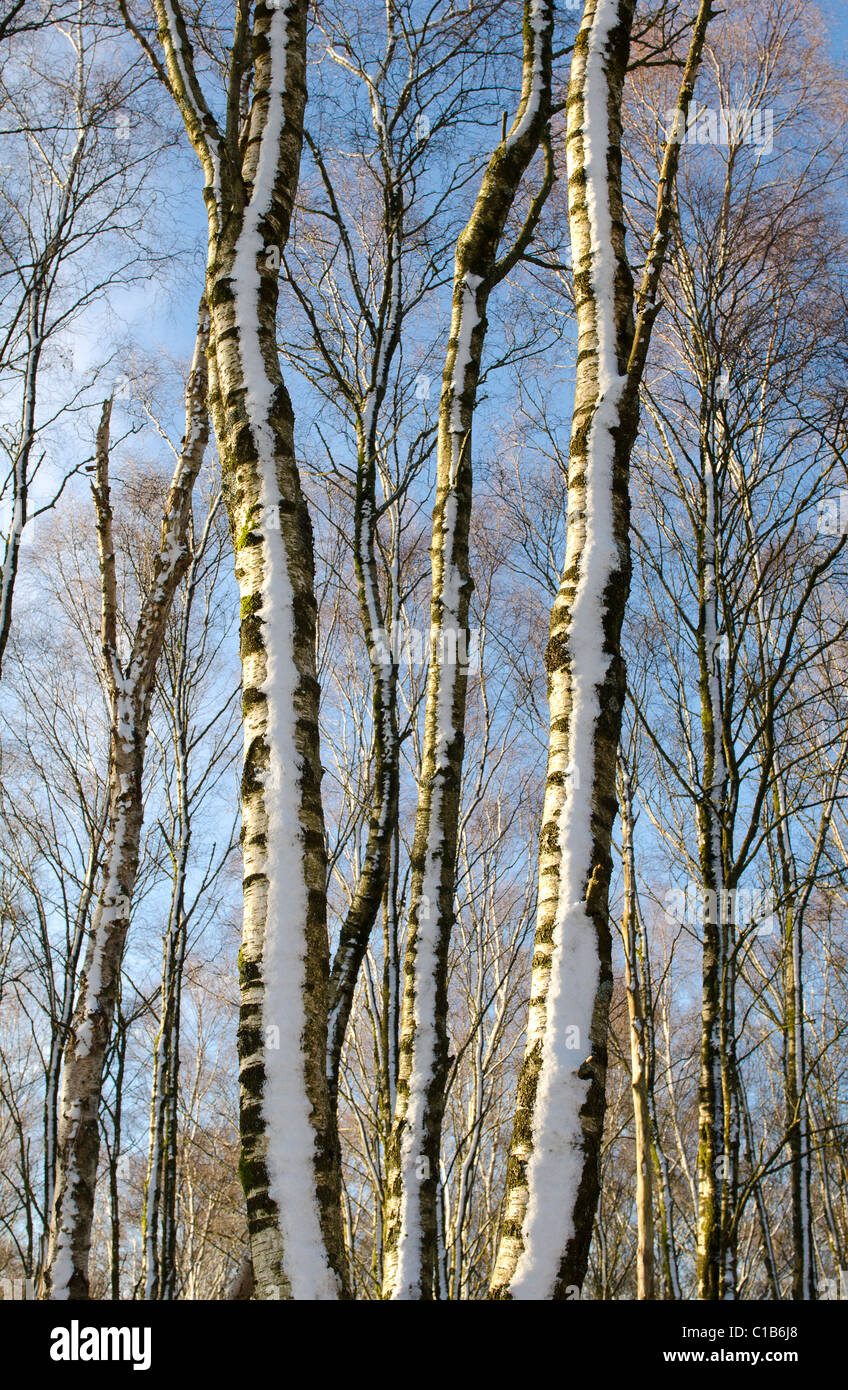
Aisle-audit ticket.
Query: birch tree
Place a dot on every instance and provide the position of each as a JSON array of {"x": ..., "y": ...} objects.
[
  {"x": 196, "y": 752},
  {"x": 290, "y": 1167},
  {"x": 130, "y": 689},
  {"x": 639, "y": 1040},
  {"x": 742, "y": 440},
  {"x": 74, "y": 201},
  {"x": 552, "y": 1178},
  {"x": 469, "y": 1064},
  {"x": 414, "y": 1152},
  {"x": 359, "y": 278}
]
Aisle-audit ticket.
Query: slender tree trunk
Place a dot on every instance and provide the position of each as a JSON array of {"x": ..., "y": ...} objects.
[
  {"x": 762, "y": 1211},
  {"x": 130, "y": 689},
  {"x": 659, "y": 1158},
  {"x": 159, "y": 1218},
  {"x": 711, "y": 1159},
  {"x": 115, "y": 1157},
  {"x": 21, "y": 466},
  {"x": 797, "y": 1117},
  {"x": 794, "y": 1060},
  {"x": 290, "y": 1166},
  {"x": 642, "y": 985},
  {"x": 168, "y": 1219},
  {"x": 411, "y": 1242},
  {"x": 671, "y": 1273},
  {"x": 391, "y": 980},
  {"x": 718, "y": 1085},
  {"x": 368, "y": 895},
  {"x": 639, "y": 1062},
  {"x": 59, "y": 1035},
  {"x": 553, "y": 1169}
]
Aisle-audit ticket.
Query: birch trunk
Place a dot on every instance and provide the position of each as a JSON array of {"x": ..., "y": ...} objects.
[
  {"x": 795, "y": 1100},
  {"x": 412, "y": 1224},
  {"x": 712, "y": 1159},
  {"x": 61, "y": 1025},
  {"x": 768, "y": 1257},
  {"x": 639, "y": 982},
  {"x": 795, "y": 892},
  {"x": 159, "y": 1215},
  {"x": 639, "y": 1062},
  {"x": 289, "y": 1166},
  {"x": 368, "y": 895},
  {"x": 553, "y": 1169},
  {"x": 797, "y": 1115},
  {"x": 130, "y": 692},
  {"x": 21, "y": 467},
  {"x": 659, "y": 1158},
  {"x": 119, "y": 1050}
]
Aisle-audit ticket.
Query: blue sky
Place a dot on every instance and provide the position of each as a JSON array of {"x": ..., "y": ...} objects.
[{"x": 160, "y": 317}]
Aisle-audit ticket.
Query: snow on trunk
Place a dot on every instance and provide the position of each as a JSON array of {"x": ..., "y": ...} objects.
[
  {"x": 556, "y": 1164},
  {"x": 562, "y": 1033},
  {"x": 552, "y": 1173},
  {"x": 278, "y": 937},
  {"x": 289, "y": 1164},
  {"x": 413, "y": 1234},
  {"x": 416, "y": 1162}
]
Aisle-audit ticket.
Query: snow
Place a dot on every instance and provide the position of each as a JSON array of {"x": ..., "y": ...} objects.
[
  {"x": 113, "y": 907},
  {"x": 555, "y": 1164},
  {"x": 538, "y": 19},
  {"x": 290, "y": 1136},
  {"x": 469, "y": 318},
  {"x": 63, "y": 1258},
  {"x": 63, "y": 1263}
]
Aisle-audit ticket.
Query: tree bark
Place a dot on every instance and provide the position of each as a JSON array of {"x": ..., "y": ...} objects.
[
  {"x": 715, "y": 1162},
  {"x": 368, "y": 894},
  {"x": 639, "y": 1062},
  {"x": 553, "y": 1170},
  {"x": 411, "y": 1242},
  {"x": 290, "y": 1168},
  {"x": 130, "y": 692}
]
